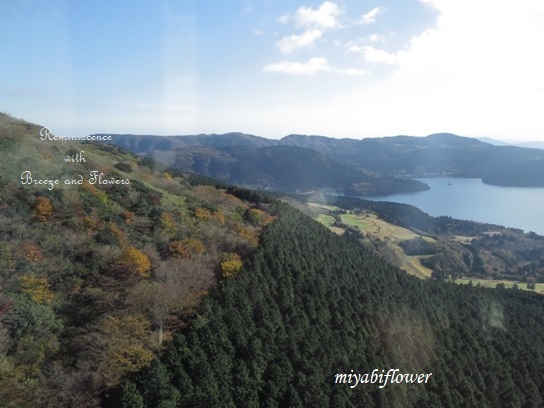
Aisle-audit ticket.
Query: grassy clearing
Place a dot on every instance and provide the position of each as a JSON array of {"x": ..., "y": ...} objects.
[
  {"x": 371, "y": 224},
  {"x": 326, "y": 207},
  {"x": 416, "y": 262},
  {"x": 462, "y": 239},
  {"x": 326, "y": 220},
  {"x": 491, "y": 283}
]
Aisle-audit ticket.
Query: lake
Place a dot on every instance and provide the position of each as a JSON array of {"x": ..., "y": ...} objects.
[{"x": 470, "y": 199}]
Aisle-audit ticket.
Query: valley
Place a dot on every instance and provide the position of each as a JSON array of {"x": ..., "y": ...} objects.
[{"x": 416, "y": 253}]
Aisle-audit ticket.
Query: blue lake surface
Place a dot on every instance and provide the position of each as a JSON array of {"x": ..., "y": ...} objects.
[{"x": 470, "y": 199}]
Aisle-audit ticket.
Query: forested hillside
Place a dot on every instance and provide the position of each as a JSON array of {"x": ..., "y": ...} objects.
[
  {"x": 95, "y": 278},
  {"x": 309, "y": 305},
  {"x": 162, "y": 291}
]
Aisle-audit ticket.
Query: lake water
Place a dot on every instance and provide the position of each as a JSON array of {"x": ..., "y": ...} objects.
[{"x": 470, "y": 199}]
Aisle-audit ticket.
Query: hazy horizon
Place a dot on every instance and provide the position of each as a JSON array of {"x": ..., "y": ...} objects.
[{"x": 344, "y": 69}]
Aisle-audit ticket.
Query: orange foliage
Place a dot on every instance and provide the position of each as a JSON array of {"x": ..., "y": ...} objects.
[
  {"x": 117, "y": 233},
  {"x": 31, "y": 252},
  {"x": 43, "y": 208},
  {"x": 128, "y": 216},
  {"x": 185, "y": 248}
]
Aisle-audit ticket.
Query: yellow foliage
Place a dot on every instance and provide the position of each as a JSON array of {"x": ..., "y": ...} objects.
[
  {"x": 126, "y": 342},
  {"x": 231, "y": 265},
  {"x": 168, "y": 224},
  {"x": 43, "y": 208},
  {"x": 136, "y": 259},
  {"x": 202, "y": 213},
  {"x": 258, "y": 217},
  {"x": 131, "y": 357},
  {"x": 37, "y": 288},
  {"x": 250, "y": 235},
  {"x": 167, "y": 176},
  {"x": 218, "y": 215}
]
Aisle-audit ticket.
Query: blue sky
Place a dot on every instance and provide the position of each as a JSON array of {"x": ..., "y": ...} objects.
[{"x": 273, "y": 67}]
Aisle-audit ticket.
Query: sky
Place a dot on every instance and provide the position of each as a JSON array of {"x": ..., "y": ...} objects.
[{"x": 346, "y": 68}]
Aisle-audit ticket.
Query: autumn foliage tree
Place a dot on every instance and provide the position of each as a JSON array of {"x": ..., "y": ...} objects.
[
  {"x": 231, "y": 264},
  {"x": 135, "y": 259},
  {"x": 185, "y": 248},
  {"x": 37, "y": 288},
  {"x": 121, "y": 345},
  {"x": 31, "y": 252},
  {"x": 202, "y": 213},
  {"x": 43, "y": 208}
]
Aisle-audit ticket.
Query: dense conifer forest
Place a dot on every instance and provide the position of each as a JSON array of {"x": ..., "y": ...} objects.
[{"x": 309, "y": 305}]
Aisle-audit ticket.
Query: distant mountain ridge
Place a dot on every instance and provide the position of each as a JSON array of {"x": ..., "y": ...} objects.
[{"x": 405, "y": 157}]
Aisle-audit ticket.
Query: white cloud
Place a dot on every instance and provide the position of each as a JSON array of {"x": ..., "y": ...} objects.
[
  {"x": 376, "y": 55},
  {"x": 353, "y": 72},
  {"x": 375, "y": 38},
  {"x": 354, "y": 48},
  {"x": 292, "y": 42},
  {"x": 315, "y": 22},
  {"x": 311, "y": 67},
  {"x": 324, "y": 17},
  {"x": 479, "y": 71},
  {"x": 370, "y": 17}
]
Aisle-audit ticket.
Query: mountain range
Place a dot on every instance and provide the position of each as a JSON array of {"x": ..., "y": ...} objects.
[{"x": 360, "y": 167}]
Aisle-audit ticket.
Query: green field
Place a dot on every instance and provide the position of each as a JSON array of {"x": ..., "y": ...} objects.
[{"x": 326, "y": 220}]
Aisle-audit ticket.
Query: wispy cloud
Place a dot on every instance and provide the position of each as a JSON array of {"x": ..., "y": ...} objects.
[
  {"x": 370, "y": 17},
  {"x": 311, "y": 67},
  {"x": 292, "y": 42}
]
